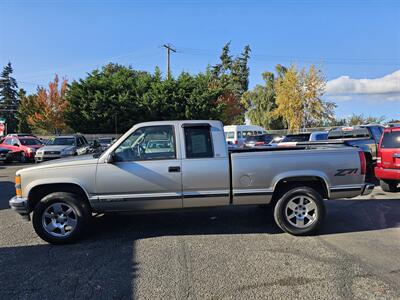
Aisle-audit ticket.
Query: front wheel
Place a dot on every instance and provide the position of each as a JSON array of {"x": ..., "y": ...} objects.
[
  {"x": 23, "y": 158},
  {"x": 60, "y": 218},
  {"x": 300, "y": 211}
]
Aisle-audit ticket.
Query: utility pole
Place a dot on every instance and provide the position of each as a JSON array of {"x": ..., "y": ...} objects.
[{"x": 169, "y": 49}]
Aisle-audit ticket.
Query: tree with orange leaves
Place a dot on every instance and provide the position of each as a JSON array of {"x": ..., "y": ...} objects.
[{"x": 49, "y": 107}]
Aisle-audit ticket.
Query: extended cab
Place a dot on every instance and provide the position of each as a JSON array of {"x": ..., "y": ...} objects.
[{"x": 186, "y": 164}]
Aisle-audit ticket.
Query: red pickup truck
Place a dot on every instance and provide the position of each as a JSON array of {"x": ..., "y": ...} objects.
[
  {"x": 25, "y": 145},
  {"x": 387, "y": 168}
]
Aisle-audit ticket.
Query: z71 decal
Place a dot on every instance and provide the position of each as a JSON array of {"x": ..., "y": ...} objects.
[{"x": 344, "y": 172}]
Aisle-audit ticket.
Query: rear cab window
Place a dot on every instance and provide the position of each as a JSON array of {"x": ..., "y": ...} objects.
[{"x": 198, "y": 142}]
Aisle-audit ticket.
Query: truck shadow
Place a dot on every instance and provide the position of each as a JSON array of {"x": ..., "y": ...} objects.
[
  {"x": 343, "y": 216},
  {"x": 104, "y": 264},
  {"x": 102, "y": 269},
  {"x": 7, "y": 191}
]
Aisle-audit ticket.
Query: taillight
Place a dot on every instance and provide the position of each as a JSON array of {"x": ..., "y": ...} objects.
[
  {"x": 363, "y": 163},
  {"x": 236, "y": 142},
  {"x": 379, "y": 159},
  {"x": 259, "y": 143}
]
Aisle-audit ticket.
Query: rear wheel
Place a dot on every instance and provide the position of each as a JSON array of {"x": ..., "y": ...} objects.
[
  {"x": 388, "y": 185},
  {"x": 60, "y": 218},
  {"x": 300, "y": 211}
]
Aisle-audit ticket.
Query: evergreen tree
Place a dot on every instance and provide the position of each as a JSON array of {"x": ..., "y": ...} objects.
[
  {"x": 25, "y": 109},
  {"x": 8, "y": 97}
]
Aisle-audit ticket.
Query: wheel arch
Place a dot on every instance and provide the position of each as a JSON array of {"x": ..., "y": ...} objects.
[
  {"x": 284, "y": 184},
  {"x": 37, "y": 192}
]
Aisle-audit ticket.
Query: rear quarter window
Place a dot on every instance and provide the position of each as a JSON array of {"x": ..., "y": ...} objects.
[{"x": 391, "y": 140}]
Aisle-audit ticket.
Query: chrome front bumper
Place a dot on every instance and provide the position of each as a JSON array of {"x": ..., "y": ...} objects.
[
  {"x": 20, "y": 205},
  {"x": 367, "y": 189}
]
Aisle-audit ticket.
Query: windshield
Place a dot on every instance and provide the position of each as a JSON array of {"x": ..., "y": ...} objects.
[
  {"x": 30, "y": 142},
  {"x": 62, "y": 141}
]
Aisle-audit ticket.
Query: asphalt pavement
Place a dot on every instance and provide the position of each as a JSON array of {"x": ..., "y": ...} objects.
[{"x": 220, "y": 253}]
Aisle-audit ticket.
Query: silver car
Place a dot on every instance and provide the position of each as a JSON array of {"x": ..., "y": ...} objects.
[{"x": 62, "y": 146}]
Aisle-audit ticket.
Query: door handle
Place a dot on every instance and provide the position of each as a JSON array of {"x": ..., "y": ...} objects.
[{"x": 174, "y": 169}]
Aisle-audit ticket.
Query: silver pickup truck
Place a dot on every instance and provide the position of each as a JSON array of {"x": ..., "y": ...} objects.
[{"x": 186, "y": 164}]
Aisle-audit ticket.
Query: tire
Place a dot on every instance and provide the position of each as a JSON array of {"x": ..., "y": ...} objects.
[
  {"x": 290, "y": 205},
  {"x": 388, "y": 185},
  {"x": 23, "y": 158},
  {"x": 51, "y": 215},
  {"x": 8, "y": 161}
]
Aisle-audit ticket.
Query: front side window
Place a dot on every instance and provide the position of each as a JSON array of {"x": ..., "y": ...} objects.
[
  {"x": 148, "y": 143},
  {"x": 8, "y": 142},
  {"x": 198, "y": 142}
]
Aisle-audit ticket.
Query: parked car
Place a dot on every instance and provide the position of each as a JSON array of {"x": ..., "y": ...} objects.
[
  {"x": 387, "y": 168},
  {"x": 260, "y": 140},
  {"x": 236, "y": 134},
  {"x": 7, "y": 155},
  {"x": 21, "y": 135},
  {"x": 194, "y": 169},
  {"x": 105, "y": 142},
  {"x": 25, "y": 145},
  {"x": 292, "y": 139},
  {"x": 63, "y": 146},
  {"x": 299, "y": 137},
  {"x": 318, "y": 136}
]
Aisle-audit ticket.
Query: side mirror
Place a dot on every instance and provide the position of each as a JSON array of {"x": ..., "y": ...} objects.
[
  {"x": 16, "y": 145},
  {"x": 110, "y": 158}
]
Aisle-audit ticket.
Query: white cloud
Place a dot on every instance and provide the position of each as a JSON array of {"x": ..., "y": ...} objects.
[{"x": 384, "y": 88}]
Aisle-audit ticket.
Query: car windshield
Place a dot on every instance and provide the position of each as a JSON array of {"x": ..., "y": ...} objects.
[
  {"x": 296, "y": 138},
  {"x": 62, "y": 141},
  {"x": 30, "y": 142}
]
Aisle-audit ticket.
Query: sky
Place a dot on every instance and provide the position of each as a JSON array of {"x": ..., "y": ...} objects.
[{"x": 356, "y": 43}]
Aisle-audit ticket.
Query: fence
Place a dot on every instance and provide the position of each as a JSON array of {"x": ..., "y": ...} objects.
[{"x": 302, "y": 130}]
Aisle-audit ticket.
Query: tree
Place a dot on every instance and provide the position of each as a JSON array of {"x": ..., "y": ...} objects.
[
  {"x": 8, "y": 97},
  {"x": 361, "y": 119},
  {"x": 232, "y": 76},
  {"x": 260, "y": 103},
  {"x": 25, "y": 109},
  {"x": 118, "y": 93},
  {"x": 298, "y": 97},
  {"x": 49, "y": 106}
]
